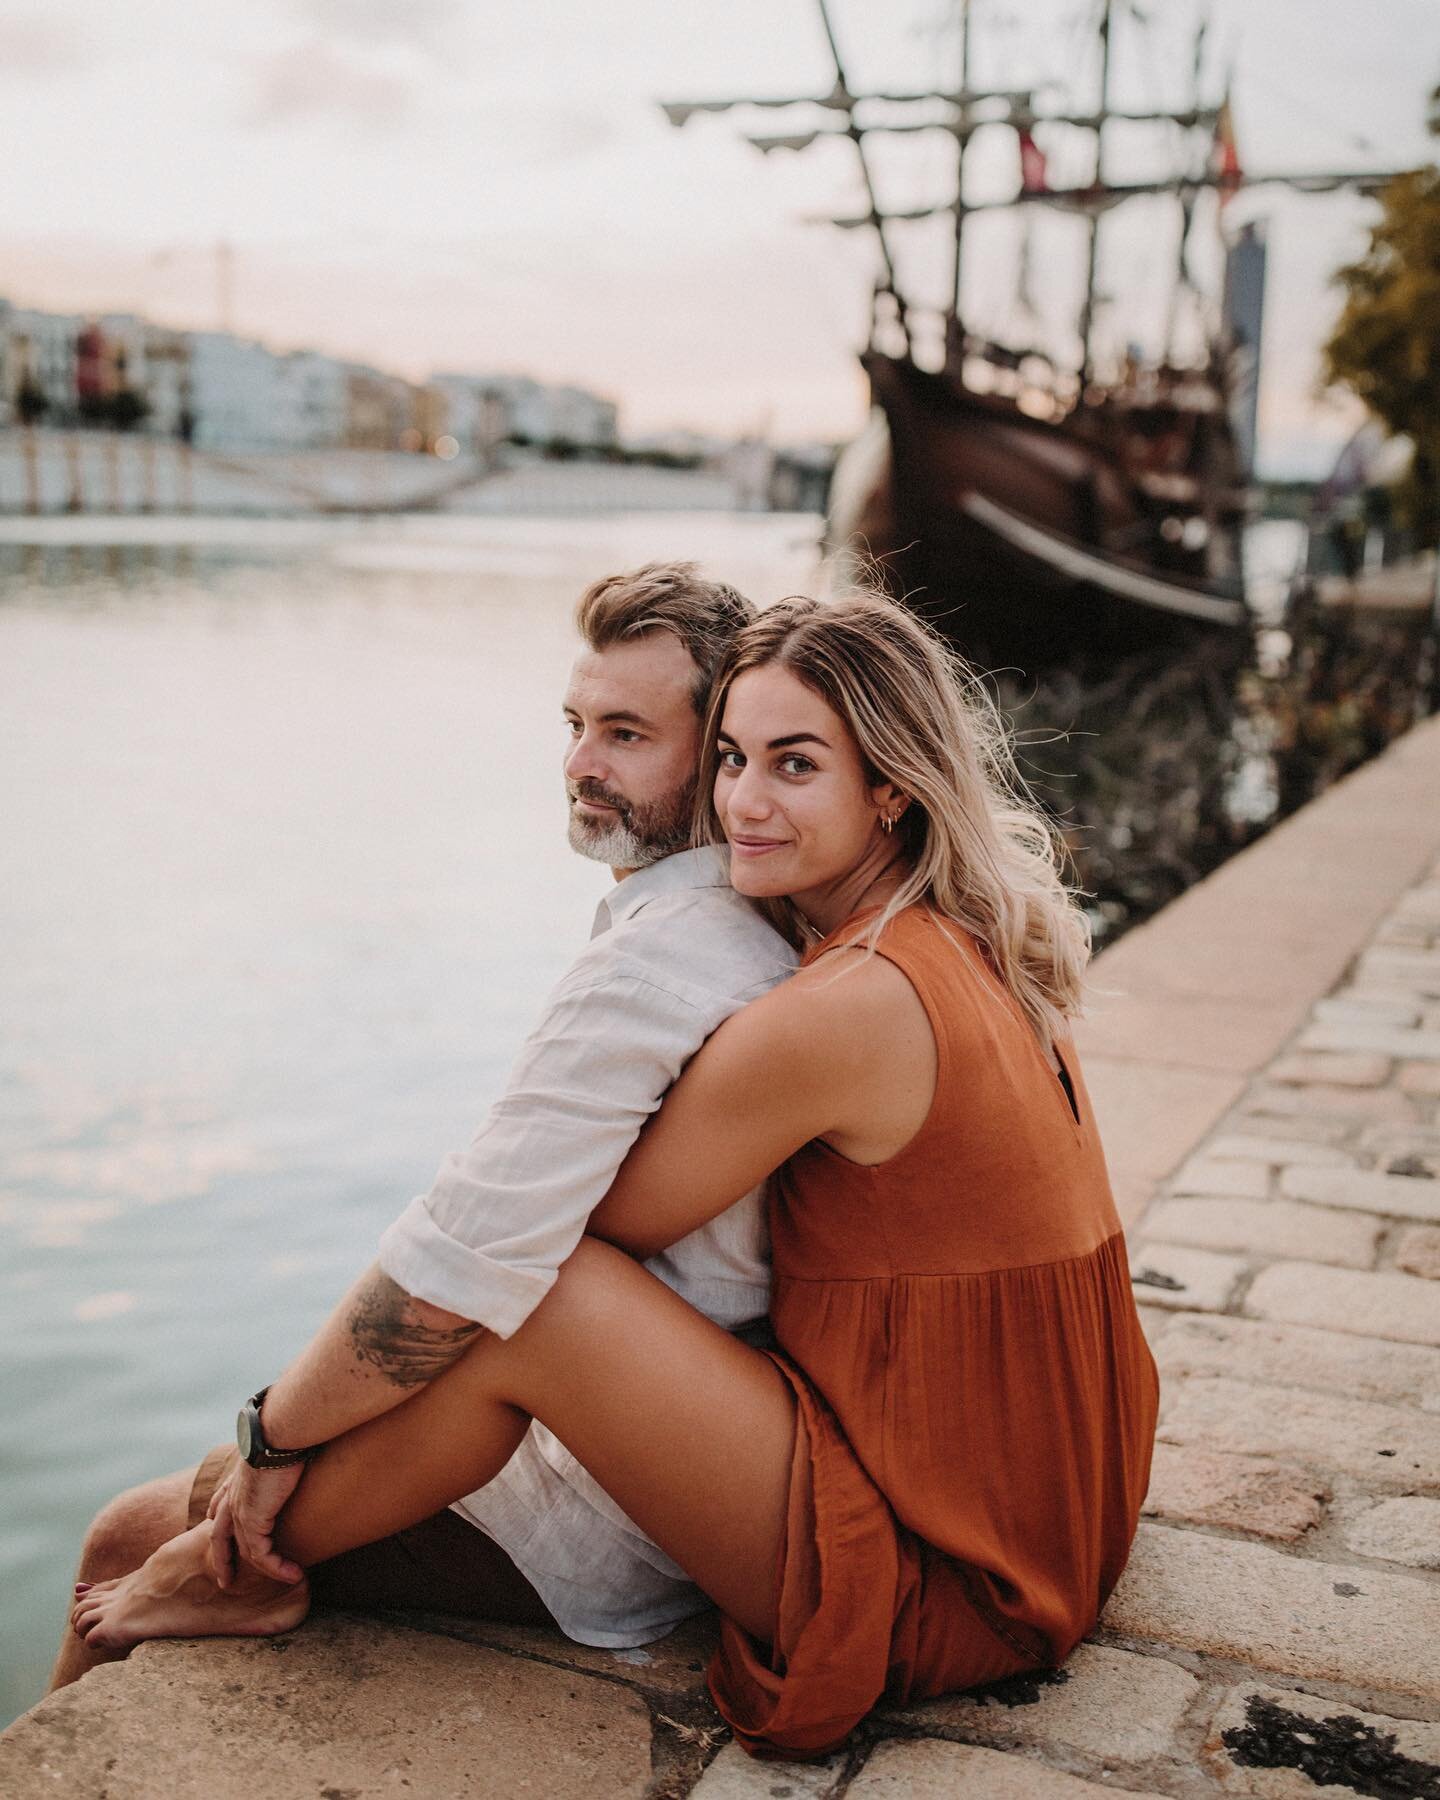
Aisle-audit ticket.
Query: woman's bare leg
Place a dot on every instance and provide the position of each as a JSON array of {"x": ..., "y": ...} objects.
[{"x": 690, "y": 1431}]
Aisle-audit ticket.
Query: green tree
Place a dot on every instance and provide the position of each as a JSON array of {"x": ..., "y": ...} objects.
[{"x": 1386, "y": 344}]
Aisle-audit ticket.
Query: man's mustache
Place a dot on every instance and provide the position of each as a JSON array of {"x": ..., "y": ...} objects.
[{"x": 597, "y": 796}]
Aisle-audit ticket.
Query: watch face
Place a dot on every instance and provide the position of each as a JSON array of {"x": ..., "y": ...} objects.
[{"x": 245, "y": 1433}]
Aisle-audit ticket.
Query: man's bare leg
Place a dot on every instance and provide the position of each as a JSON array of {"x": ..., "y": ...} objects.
[
  {"x": 123, "y": 1535},
  {"x": 690, "y": 1431}
]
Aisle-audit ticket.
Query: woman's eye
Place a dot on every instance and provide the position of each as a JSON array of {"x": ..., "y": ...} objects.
[
  {"x": 796, "y": 765},
  {"x": 731, "y": 759}
]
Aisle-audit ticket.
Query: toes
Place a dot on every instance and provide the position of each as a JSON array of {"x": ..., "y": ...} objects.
[{"x": 83, "y": 1587}]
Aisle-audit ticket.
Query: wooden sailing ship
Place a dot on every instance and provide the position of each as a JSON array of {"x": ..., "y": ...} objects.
[{"x": 1044, "y": 513}]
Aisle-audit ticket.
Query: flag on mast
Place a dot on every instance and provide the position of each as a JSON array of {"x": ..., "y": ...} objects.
[{"x": 1225, "y": 154}]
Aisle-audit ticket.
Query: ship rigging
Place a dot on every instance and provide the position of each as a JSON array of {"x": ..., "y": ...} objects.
[{"x": 1047, "y": 505}]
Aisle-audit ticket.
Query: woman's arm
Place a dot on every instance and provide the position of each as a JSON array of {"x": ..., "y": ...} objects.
[{"x": 847, "y": 1055}]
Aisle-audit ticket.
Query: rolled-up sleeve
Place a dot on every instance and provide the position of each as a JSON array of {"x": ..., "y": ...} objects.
[{"x": 488, "y": 1239}]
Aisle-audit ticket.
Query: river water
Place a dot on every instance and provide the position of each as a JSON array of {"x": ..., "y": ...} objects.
[{"x": 283, "y": 879}]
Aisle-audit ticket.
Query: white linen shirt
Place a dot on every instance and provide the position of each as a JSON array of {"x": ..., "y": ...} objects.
[{"x": 674, "y": 952}]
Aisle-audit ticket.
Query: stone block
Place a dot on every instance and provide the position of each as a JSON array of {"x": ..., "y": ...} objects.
[
  {"x": 1223, "y": 1175},
  {"x": 1246, "y": 1493},
  {"x": 1404, "y": 1531},
  {"x": 1382, "y": 1304},
  {"x": 1294, "y": 1615},
  {"x": 1409, "y": 1142},
  {"x": 1422, "y": 903},
  {"x": 1422, "y": 1079},
  {"x": 1405, "y": 934},
  {"x": 1308, "y": 1068},
  {"x": 1153, "y": 1322},
  {"x": 343, "y": 1706},
  {"x": 673, "y": 1665},
  {"x": 1418, "y": 1251},
  {"x": 1355, "y": 1039},
  {"x": 1417, "y": 969},
  {"x": 1365, "y": 1190},
  {"x": 1277, "y": 1744},
  {"x": 1365, "y": 1009},
  {"x": 1267, "y": 1228},
  {"x": 1300, "y": 1356},
  {"x": 736, "y": 1775},
  {"x": 1110, "y": 1704},
  {"x": 1327, "y": 1101},
  {"x": 1277, "y": 1149},
  {"x": 929, "y": 1769},
  {"x": 1385, "y": 1447},
  {"x": 1167, "y": 1275},
  {"x": 1291, "y": 1127}
]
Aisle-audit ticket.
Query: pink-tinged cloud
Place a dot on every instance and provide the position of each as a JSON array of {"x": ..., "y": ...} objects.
[
  {"x": 32, "y": 45},
  {"x": 437, "y": 26},
  {"x": 318, "y": 82}
]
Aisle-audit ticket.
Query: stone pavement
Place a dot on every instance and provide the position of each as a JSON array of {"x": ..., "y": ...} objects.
[{"x": 1277, "y": 1631}]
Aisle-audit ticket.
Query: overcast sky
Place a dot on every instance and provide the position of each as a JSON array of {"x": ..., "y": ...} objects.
[{"x": 433, "y": 184}]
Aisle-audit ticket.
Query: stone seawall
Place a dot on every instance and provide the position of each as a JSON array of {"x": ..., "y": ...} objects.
[{"x": 1265, "y": 1060}]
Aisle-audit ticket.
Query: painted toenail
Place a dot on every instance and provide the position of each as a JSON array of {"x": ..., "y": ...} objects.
[{"x": 83, "y": 1587}]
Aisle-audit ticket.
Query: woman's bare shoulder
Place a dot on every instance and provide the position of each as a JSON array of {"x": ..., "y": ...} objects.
[{"x": 847, "y": 1002}]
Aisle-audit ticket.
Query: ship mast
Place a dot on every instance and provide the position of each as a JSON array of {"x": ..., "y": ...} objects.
[
  {"x": 1087, "y": 309},
  {"x": 1182, "y": 281},
  {"x": 960, "y": 114},
  {"x": 955, "y": 324},
  {"x": 890, "y": 285}
]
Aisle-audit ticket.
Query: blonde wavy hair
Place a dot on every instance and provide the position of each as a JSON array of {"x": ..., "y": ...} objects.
[{"x": 980, "y": 850}]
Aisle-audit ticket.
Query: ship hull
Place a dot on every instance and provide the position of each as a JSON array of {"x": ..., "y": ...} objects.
[{"x": 1026, "y": 543}]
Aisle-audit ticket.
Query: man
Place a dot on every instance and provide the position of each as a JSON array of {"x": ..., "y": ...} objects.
[{"x": 674, "y": 952}]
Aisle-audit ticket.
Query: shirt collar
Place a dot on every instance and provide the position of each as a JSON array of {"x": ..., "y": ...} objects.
[{"x": 707, "y": 867}]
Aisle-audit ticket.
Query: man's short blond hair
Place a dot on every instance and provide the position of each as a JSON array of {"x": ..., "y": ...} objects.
[{"x": 674, "y": 597}]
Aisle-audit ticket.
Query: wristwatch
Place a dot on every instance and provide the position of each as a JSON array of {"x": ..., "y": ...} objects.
[{"x": 250, "y": 1436}]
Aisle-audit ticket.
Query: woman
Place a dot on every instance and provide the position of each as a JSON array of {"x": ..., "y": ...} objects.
[{"x": 936, "y": 1479}]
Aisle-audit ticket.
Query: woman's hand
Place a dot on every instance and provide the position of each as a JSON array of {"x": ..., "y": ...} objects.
[{"x": 243, "y": 1510}]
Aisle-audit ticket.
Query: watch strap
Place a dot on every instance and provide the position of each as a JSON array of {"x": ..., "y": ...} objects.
[{"x": 251, "y": 1437}]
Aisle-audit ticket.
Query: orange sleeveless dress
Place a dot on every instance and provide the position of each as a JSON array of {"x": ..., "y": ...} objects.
[{"x": 976, "y": 1402}]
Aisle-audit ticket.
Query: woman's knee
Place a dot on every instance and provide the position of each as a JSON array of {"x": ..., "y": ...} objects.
[{"x": 593, "y": 1297}]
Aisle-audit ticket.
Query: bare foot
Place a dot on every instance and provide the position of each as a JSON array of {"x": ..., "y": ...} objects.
[{"x": 174, "y": 1595}]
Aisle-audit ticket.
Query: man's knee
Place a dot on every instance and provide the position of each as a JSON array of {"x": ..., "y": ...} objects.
[{"x": 128, "y": 1528}]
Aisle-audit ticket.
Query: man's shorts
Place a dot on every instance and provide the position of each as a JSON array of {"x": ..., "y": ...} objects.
[{"x": 441, "y": 1565}]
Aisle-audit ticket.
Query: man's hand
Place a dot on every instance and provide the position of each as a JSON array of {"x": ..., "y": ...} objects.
[{"x": 243, "y": 1510}]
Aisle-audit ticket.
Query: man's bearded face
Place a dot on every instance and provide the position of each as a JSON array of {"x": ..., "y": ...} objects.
[
  {"x": 637, "y": 832},
  {"x": 634, "y": 743}
]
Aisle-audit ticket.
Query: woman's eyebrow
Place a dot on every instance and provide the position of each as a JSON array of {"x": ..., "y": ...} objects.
[{"x": 782, "y": 743}]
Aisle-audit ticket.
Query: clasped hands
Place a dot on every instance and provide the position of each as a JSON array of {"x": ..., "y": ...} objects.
[{"x": 243, "y": 1511}]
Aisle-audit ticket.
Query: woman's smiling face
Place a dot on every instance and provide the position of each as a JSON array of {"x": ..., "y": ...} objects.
[{"x": 792, "y": 793}]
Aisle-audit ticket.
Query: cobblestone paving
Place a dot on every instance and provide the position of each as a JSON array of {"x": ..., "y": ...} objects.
[
  {"x": 1276, "y": 1634},
  {"x": 1289, "y": 1278}
]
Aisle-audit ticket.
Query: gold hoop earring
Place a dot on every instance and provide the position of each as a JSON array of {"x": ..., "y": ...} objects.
[{"x": 887, "y": 824}]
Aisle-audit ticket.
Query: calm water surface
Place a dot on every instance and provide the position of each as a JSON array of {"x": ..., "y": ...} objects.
[{"x": 283, "y": 880}]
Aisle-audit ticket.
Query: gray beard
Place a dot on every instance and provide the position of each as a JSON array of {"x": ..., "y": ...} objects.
[
  {"x": 615, "y": 845},
  {"x": 642, "y": 836}
]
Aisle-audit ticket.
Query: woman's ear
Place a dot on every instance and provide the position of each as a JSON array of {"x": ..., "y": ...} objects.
[{"x": 889, "y": 803}]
